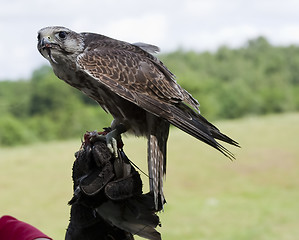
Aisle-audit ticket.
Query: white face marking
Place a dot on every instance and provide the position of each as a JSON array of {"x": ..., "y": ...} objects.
[{"x": 60, "y": 39}]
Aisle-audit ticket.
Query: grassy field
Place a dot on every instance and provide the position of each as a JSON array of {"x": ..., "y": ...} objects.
[{"x": 209, "y": 197}]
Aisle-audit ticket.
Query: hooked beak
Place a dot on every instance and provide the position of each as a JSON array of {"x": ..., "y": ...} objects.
[{"x": 46, "y": 44}]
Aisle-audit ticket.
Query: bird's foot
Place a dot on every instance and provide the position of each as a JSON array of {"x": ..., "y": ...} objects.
[
  {"x": 112, "y": 137},
  {"x": 111, "y": 140}
]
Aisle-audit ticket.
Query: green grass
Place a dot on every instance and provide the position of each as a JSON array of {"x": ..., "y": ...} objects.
[{"x": 209, "y": 197}]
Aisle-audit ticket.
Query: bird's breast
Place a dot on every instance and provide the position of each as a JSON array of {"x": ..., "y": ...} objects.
[{"x": 122, "y": 110}]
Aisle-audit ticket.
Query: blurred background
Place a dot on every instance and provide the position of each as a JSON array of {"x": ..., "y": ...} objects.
[{"x": 240, "y": 59}]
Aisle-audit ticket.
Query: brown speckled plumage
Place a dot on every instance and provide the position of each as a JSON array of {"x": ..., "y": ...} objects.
[{"x": 134, "y": 86}]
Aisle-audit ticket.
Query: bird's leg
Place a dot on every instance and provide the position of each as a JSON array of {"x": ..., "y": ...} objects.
[{"x": 113, "y": 137}]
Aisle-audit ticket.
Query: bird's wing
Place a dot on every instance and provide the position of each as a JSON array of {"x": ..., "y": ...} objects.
[
  {"x": 128, "y": 73},
  {"x": 149, "y": 84}
]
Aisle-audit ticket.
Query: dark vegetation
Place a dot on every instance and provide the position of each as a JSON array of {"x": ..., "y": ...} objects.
[{"x": 255, "y": 79}]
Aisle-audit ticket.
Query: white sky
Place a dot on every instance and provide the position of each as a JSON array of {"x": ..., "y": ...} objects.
[{"x": 191, "y": 24}]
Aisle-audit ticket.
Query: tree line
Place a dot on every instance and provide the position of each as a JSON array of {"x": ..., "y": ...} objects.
[{"x": 255, "y": 79}]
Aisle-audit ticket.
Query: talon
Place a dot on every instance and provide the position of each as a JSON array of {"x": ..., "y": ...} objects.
[
  {"x": 112, "y": 142},
  {"x": 114, "y": 145},
  {"x": 109, "y": 145},
  {"x": 112, "y": 138}
]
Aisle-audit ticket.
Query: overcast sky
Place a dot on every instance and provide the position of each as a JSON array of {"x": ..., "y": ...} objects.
[{"x": 190, "y": 24}]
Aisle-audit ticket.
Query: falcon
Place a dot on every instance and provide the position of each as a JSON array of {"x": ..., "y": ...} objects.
[{"x": 135, "y": 87}]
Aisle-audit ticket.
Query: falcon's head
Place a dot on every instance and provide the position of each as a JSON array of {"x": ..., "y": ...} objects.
[{"x": 55, "y": 43}]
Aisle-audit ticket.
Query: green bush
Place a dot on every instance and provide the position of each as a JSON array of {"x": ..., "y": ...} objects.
[{"x": 14, "y": 132}]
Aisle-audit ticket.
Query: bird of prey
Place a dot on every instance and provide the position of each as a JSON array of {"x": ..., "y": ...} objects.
[{"x": 135, "y": 87}]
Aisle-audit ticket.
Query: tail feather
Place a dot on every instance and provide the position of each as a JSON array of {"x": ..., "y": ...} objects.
[
  {"x": 183, "y": 117},
  {"x": 196, "y": 125},
  {"x": 215, "y": 131},
  {"x": 157, "y": 141},
  {"x": 188, "y": 120}
]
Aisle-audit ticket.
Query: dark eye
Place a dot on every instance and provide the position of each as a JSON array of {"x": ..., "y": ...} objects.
[{"x": 62, "y": 34}]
